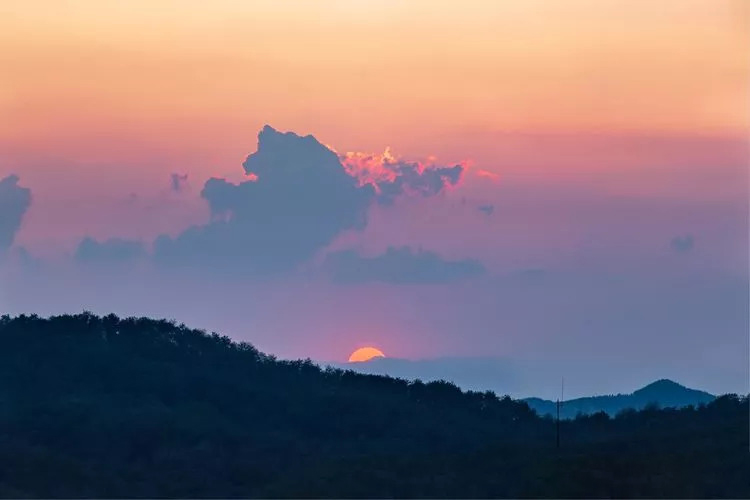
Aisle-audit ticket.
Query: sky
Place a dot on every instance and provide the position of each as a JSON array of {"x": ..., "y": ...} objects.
[{"x": 557, "y": 183}]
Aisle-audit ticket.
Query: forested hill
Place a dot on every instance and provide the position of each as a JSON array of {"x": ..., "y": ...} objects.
[
  {"x": 663, "y": 393},
  {"x": 107, "y": 407}
]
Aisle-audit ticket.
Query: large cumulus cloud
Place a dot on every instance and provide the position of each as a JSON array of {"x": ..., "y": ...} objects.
[
  {"x": 399, "y": 265},
  {"x": 14, "y": 202},
  {"x": 298, "y": 198}
]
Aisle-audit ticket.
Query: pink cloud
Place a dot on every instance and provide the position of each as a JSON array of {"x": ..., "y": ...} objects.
[
  {"x": 390, "y": 174},
  {"x": 486, "y": 174}
]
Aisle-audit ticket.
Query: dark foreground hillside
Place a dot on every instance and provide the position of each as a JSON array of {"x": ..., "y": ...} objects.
[{"x": 108, "y": 407}]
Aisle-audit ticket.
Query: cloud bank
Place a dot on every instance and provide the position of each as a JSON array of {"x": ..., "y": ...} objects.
[
  {"x": 14, "y": 202},
  {"x": 113, "y": 250},
  {"x": 399, "y": 266}
]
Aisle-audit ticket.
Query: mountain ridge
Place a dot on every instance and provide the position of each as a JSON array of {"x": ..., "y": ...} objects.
[
  {"x": 525, "y": 379},
  {"x": 664, "y": 393}
]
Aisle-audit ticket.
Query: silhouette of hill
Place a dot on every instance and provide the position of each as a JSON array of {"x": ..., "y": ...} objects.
[
  {"x": 108, "y": 407},
  {"x": 519, "y": 378},
  {"x": 468, "y": 373},
  {"x": 662, "y": 393}
]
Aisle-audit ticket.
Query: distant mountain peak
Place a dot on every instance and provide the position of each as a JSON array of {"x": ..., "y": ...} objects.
[
  {"x": 663, "y": 384},
  {"x": 663, "y": 392}
]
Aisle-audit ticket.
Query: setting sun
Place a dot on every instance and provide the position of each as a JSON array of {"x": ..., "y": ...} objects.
[{"x": 365, "y": 354}]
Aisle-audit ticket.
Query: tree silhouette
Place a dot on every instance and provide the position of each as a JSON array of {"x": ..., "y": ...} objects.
[{"x": 132, "y": 407}]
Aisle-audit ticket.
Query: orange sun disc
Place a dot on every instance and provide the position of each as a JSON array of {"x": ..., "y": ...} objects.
[{"x": 365, "y": 354}]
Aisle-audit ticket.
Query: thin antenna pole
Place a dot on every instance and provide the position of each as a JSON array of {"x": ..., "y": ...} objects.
[
  {"x": 559, "y": 404},
  {"x": 557, "y": 426}
]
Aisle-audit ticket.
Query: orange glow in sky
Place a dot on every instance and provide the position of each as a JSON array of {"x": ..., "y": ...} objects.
[
  {"x": 362, "y": 74},
  {"x": 110, "y": 97},
  {"x": 365, "y": 354}
]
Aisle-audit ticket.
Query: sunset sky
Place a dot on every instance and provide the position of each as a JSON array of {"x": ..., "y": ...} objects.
[{"x": 563, "y": 179}]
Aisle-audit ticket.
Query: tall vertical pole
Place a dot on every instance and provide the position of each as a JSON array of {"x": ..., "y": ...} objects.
[
  {"x": 559, "y": 403},
  {"x": 557, "y": 433}
]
